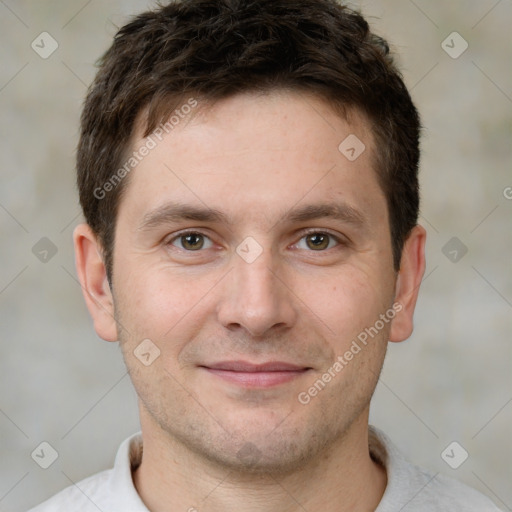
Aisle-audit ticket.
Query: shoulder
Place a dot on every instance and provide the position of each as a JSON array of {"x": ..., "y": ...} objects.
[
  {"x": 456, "y": 495},
  {"x": 411, "y": 488},
  {"x": 80, "y": 496},
  {"x": 111, "y": 490},
  {"x": 437, "y": 492}
]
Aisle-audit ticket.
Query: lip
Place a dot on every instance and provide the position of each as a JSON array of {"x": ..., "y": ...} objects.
[{"x": 261, "y": 375}]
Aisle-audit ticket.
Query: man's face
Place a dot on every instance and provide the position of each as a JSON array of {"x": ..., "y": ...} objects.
[{"x": 199, "y": 289}]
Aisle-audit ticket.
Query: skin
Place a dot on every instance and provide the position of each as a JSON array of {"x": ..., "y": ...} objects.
[{"x": 218, "y": 445}]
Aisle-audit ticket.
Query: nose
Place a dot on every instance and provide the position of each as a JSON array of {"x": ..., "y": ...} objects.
[{"x": 256, "y": 297}]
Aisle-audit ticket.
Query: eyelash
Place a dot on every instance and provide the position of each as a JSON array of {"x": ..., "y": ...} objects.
[{"x": 339, "y": 241}]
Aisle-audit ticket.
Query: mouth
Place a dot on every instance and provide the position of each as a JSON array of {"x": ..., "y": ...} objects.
[{"x": 263, "y": 375}]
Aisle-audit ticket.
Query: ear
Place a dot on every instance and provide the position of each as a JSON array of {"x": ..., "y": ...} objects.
[
  {"x": 412, "y": 268},
  {"x": 93, "y": 279}
]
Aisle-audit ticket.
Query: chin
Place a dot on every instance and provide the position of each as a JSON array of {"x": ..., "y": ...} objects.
[
  {"x": 277, "y": 458},
  {"x": 252, "y": 452}
]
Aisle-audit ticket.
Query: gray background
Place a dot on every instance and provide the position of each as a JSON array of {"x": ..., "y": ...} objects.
[{"x": 451, "y": 381}]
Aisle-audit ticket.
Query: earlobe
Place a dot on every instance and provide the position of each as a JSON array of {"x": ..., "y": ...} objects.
[
  {"x": 408, "y": 282},
  {"x": 93, "y": 279}
]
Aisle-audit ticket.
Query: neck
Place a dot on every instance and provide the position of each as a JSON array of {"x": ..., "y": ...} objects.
[{"x": 343, "y": 478}]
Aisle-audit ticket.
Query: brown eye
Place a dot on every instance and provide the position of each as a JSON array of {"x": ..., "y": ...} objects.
[
  {"x": 318, "y": 241},
  {"x": 191, "y": 241}
]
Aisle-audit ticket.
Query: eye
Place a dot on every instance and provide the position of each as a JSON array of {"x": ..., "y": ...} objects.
[
  {"x": 318, "y": 241},
  {"x": 191, "y": 241}
]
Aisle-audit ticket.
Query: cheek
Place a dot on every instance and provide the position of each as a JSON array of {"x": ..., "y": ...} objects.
[
  {"x": 159, "y": 304},
  {"x": 349, "y": 303}
]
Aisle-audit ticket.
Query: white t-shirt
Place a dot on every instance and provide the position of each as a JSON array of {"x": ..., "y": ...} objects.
[{"x": 409, "y": 488}]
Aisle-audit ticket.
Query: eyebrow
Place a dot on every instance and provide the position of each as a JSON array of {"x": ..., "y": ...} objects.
[
  {"x": 337, "y": 211},
  {"x": 175, "y": 212}
]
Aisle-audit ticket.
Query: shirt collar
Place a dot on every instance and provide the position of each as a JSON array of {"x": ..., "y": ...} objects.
[{"x": 122, "y": 488}]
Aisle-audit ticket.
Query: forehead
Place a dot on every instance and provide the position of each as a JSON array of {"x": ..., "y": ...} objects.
[{"x": 251, "y": 152}]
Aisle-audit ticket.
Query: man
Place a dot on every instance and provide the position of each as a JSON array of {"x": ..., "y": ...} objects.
[{"x": 248, "y": 175}]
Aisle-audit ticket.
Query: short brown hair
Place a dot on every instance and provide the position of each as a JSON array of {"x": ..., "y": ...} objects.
[{"x": 213, "y": 49}]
